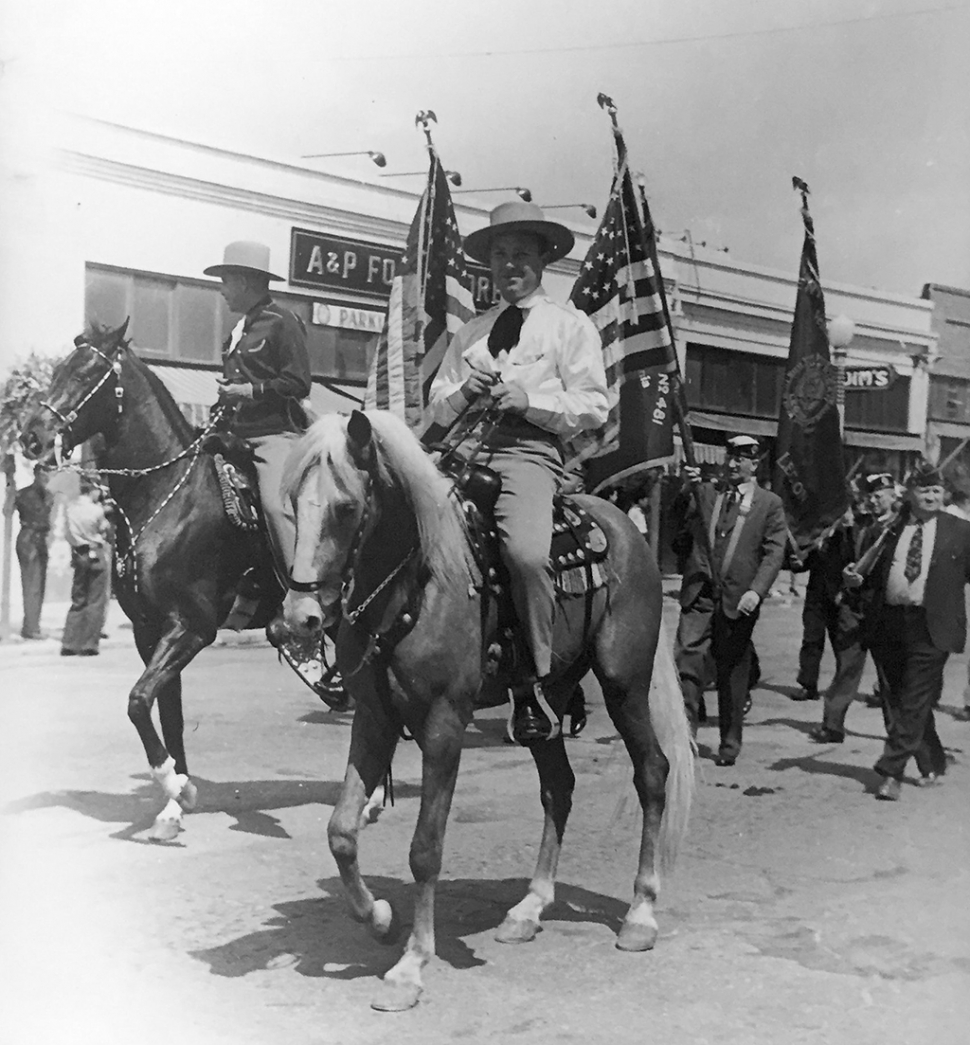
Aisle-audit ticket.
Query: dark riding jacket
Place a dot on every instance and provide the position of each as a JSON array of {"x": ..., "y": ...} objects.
[{"x": 272, "y": 356}]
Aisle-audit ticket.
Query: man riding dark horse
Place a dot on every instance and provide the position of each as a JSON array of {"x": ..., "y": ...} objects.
[
  {"x": 266, "y": 376},
  {"x": 524, "y": 377}
]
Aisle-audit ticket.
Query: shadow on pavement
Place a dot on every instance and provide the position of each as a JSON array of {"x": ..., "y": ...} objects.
[
  {"x": 319, "y": 937},
  {"x": 812, "y": 764},
  {"x": 248, "y": 802}
]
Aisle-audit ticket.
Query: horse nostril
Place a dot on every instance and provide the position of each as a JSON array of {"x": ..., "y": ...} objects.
[{"x": 312, "y": 623}]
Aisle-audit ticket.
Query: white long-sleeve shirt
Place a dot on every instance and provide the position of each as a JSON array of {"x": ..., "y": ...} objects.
[{"x": 558, "y": 363}]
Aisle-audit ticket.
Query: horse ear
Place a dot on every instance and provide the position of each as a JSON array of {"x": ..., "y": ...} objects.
[
  {"x": 360, "y": 434},
  {"x": 119, "y": 334}
]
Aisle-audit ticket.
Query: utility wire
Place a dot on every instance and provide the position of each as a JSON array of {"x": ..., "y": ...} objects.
[{"x": 631, "y": 44}]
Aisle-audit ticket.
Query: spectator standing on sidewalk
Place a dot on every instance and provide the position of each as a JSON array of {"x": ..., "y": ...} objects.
[
  {"x": 33, "y": 504},
  {"x": 88, "y": 532}
]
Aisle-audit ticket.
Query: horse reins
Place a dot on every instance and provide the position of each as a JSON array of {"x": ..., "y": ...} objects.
[{"x": 193, "y": 450}]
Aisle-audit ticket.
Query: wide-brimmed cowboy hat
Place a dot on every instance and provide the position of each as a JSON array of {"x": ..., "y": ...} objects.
[
  {"x": 519, "y": 216},
  {"x": 244, "y": 256}
]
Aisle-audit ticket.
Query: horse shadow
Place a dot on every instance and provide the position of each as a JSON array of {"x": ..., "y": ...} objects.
[
  {"x": 319, "y": 937},
  {"x": 248, "y": 802}
]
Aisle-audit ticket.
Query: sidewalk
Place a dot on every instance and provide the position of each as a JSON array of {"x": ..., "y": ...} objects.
[{"x": 117, "y": 628}]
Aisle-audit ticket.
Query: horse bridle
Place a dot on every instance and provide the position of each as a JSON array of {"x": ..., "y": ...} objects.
[{"x": 68, "y": 419}]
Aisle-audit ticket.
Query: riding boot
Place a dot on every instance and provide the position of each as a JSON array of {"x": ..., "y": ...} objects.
[
  {"x": 531, "y": 719},
  {"x": 243, "y": 610},
  {"x": 576, "y": 710}
]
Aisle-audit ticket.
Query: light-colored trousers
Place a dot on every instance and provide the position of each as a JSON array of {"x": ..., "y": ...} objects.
[
  {"x": 271, "y": 454},
  {"x": 531, "y": 474}
]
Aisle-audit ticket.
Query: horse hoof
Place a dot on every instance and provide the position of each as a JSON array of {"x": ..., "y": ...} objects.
[
  {"x": 381, "y": 922},
  {"x": 164, "y": 830},
  {"x": 188, "y": 797},
  {"x": 515, "y": 930},
  {"x": 397, "y": 997},
  {"x": 636, "y": 937}
]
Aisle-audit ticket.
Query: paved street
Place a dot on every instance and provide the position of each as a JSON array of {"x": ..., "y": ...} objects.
[{"x": 802, "y": 910}]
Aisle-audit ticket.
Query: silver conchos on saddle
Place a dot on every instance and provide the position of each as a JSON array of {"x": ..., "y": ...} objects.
[
  {"x": 578, "y": 547},
  {"x": 238, "y": 495}
]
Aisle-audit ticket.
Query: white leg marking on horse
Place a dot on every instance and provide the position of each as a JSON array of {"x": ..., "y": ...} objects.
[
  {"x": 639, "y": 929},
  {"x": 170, "y": 781},
  {"x": 168, "y": 823},
  {"x": 189, "y": 796},
  {"x": 401, "y": 987},
  {"x": 372, "y": 808},
  {"x": 522, "y": 922}
]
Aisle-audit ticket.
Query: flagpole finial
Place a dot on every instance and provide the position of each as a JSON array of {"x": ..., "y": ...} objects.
[
  {"x": 424, "y": 118},
  {"x": 801, "y": 186}
]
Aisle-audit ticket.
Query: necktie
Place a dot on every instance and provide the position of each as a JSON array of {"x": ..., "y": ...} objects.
[
  {"x": 914, "y": 555},
  {"x": 505, "y": 333},
  {"x": 730, "y": 500}
]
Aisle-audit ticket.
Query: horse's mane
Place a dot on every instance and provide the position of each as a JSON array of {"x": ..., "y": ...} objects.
[
  {"x": 100, "y": 335},
  {"x": 400, "y": 461}
]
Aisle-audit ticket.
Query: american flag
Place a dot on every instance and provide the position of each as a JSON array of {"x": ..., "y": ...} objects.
[
  {"x": 620, "y": 288},
  {"x": 431, "y": 298}
]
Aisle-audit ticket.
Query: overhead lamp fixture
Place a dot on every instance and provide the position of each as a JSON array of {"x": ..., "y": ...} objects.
[
  {"x": 522, "y": 193},
  {"x": 453, "y": 176},
  {"x": 377, "y": 157},
  {"x": 588, "y": 207}
]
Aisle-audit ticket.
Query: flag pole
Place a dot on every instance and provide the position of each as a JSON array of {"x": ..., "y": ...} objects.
[{"x": 679, "y": 397}]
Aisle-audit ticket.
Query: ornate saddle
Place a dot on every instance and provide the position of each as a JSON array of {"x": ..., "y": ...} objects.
[
  {"x": 578, "y": 547},
  {"x": 233, "y": 458}
]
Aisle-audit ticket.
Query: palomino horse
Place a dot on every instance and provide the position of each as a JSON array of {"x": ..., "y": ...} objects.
[
  {"x": 179, "y": 558},
  {"x": 378, "y": 530}
]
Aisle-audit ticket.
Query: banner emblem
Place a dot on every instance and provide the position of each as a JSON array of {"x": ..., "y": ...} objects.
[{"x": 810, "y": 389}]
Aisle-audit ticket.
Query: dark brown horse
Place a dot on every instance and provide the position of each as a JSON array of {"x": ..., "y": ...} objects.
[
  {"x": 381, "y": 539},
  {"x": 179, "y": 557}
]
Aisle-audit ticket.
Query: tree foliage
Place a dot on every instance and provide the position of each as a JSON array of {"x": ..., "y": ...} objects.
[{"x": 20, "y": 394}]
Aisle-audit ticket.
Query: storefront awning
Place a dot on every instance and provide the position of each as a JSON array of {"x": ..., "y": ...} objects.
[
  {"x": 732, "y": 423},
  {"x": 884, "y": 440}
]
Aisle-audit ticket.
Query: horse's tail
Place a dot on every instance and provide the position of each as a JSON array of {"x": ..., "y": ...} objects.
[{"x": 669, "y": 720}]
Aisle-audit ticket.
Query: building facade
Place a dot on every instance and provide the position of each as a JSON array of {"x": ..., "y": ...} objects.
[{"x": 130, "y": 219}]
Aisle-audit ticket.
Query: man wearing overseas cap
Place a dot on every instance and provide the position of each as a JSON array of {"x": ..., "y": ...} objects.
[
  {"x": 916, "y": 619},
  {"x": 852, "y": 538},
  {"x": 536, "y": 366},
  {"x": 743, "y": 527},
  {"x": 266, "y": 375}
]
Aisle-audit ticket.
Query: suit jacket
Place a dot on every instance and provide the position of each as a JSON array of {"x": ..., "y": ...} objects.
[
  {"x": 757, "y": 558},
  {"x": 943, "y": 593}
]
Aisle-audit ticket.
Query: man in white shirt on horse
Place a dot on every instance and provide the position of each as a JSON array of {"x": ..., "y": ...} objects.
[{"x": 526, "y": 376}]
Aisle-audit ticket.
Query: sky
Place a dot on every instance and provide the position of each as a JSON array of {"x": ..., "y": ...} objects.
[{"x": 721, "y": 102}]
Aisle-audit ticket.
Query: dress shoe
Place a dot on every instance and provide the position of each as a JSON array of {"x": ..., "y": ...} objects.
[
  {"x": 930, "y": 780},
  {"x": 806, "y": 693},
  {"x": 88, "y": 652},
  {"x": 825, "y": 735},
  {"x": 724, "y": 760},
  {"x": 68, "y": 652},
  {"x": 532, "y": 720},
  {"x": 889, "y": 789}
]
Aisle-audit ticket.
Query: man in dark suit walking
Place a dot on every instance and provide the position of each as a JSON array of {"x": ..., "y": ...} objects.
[
  {"x": 917, "y": 618},
  {"x": 737, "y": 546}
]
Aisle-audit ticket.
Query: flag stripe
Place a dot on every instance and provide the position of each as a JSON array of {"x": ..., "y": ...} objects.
[{"x": 431, "y": 298}]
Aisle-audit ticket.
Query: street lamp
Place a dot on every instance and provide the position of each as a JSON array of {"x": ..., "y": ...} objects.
[
  {"x": 377, "y": 157},
  {"x": 453, "y": 176},
  {"x": 524, "y": 194},
  {"x": 588, "y": 207},
  {"x": 840, "y": 330}
]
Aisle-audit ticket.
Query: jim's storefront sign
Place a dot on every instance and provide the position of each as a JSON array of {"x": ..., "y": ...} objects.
[
  {"x": 868, "y": 378},
  {"x": 366, "y": 269}
]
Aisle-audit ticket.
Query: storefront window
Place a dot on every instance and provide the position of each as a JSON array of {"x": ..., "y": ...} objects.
[
  {"x": 734, "y": 382},
  {"x": 188, "y": 320},
  {"x": 885, "y": 410}
]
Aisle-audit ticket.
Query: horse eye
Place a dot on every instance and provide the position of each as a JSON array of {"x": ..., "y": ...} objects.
[{"x": 343, "y": 510}]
